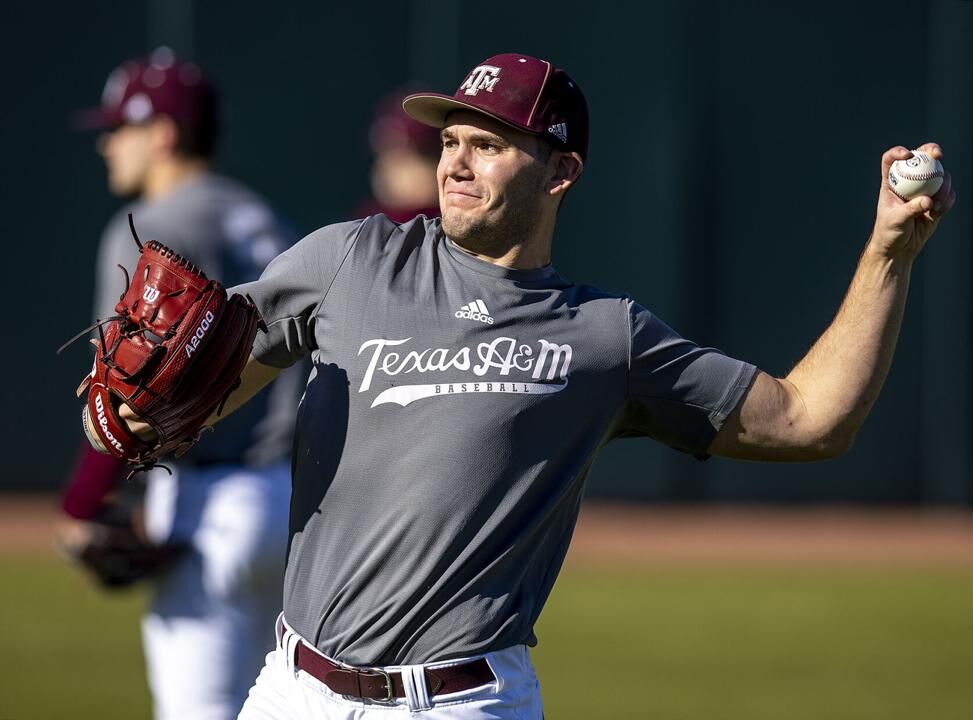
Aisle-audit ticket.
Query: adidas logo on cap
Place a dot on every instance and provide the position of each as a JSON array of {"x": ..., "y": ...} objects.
[
  {"x": 476, "y": 310},
  {"x": 560, "y": 131}
]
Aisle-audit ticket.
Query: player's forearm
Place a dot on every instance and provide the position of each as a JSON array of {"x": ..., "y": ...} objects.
[
  {"x": 840, "y": 378},
  {"x": 815, "y": 412},
  {"x": 253, "y": 379}
]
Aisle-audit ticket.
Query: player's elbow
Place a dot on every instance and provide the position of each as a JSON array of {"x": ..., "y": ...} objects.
[
  {"x": 835, "y": 448},
  {"x": 810, "y": 441},
  {"x": 819, "y": 434},
  {"x": 832, "y": 443}
]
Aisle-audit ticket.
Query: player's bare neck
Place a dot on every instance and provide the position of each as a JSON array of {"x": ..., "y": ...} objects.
[
  {"x": 165, "y": 176},
  {"x": 521, "y": 244},
  {"x": 521, "y": 256}
]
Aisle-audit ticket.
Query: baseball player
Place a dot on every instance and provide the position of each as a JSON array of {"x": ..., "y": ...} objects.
[
  {"x": 209, "y": 621},
  {"x": 461, "y": 391}
]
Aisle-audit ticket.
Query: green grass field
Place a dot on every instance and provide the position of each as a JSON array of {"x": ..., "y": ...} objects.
[
  {"x": 708, "y": 644},
  {"x": 759, "y": 644}
]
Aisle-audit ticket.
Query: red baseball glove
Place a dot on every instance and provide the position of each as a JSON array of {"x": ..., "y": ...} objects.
[{"x": 172, "y": 353}]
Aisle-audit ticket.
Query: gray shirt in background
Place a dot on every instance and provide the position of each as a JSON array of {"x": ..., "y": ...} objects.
[
  {"x": 231, "y": 234},
  {"x": 452, "y": 415}
]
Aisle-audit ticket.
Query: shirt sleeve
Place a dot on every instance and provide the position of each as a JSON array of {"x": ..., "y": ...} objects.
[
  {"x": 292, "y": 287},
  {"x": 94, "y": 476},
  {"x": 678, "y": 392},
  {"x": 250, "y": 237}
]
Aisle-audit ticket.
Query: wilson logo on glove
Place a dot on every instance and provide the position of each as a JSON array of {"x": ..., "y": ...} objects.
[
  {"x": 169, "y": 304},
  {"x": 103, "y": 422}
]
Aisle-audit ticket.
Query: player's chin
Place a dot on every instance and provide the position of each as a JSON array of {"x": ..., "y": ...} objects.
[
  {"x": 459, "y": 224},
  {"x": 122, "y": 187},
  {"x": 452, "y": 222}
]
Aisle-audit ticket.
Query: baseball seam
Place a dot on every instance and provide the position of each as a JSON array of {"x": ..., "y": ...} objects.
[
  {"x": 899, "y": 196},
  {"x": 920, "y": 176}
]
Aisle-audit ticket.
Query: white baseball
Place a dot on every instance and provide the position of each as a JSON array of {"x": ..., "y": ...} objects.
[
  {"x": 919, "y": 175},
  {"x": 92, "y": 436}
]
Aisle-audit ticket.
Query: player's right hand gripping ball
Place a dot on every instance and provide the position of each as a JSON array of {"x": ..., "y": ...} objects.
[
  {"x": 173, "y": 353},
  {"x": 921, "y": 174}
]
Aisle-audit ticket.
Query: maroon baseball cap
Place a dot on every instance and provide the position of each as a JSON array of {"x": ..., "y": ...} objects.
[
  {"x": 161, "y": 84},
  {"x": 518, "y": 90},
  {"x": 392, "y": 129}
]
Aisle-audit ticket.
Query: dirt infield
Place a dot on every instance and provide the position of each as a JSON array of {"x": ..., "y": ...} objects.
[
  {"x": 27, "y": 522},
  {"x": 765, "y": 535},
  {"x": 634, "y": 534}
]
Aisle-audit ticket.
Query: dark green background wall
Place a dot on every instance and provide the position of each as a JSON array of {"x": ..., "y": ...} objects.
[{"x": 730, "y": 187}]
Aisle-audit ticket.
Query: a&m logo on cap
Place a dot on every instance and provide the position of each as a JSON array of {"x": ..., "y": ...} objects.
[{"x": 483, "y": 77}]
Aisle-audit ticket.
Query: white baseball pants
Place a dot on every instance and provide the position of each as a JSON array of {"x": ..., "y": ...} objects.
[
  {"x": 282, "y": 692},
  {"x": 207, "y": 627}
]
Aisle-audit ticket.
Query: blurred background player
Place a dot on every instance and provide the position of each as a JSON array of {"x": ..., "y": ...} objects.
[
  {"x": 206, "y": 628},
  {"x": 403, "y": 173}
]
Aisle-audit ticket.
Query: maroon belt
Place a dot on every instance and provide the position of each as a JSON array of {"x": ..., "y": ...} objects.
[{"x": 375, "y": 684}]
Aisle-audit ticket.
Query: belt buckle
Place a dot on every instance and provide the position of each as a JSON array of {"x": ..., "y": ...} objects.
[{"x": 389, "y": 699}]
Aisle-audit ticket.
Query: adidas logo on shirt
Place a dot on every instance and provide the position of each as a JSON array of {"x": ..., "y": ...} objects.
[{"x": 476, "y": 310}]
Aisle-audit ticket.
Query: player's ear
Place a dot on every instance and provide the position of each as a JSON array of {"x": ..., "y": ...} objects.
[
  {"x": 565, "y": 172},
  {"x": 165, "y": 134}
]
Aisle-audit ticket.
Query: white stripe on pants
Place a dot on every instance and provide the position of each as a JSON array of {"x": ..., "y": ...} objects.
[{"x": 282, "y": 692}]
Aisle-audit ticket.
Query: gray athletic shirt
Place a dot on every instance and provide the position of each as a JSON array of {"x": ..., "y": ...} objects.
[
  {"x": 454, "y": 410},
  {"x": 231, "y": 234}
]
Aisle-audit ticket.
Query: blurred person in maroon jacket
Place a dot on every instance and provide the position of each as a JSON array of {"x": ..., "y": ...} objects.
[{"x": 403, "y": 173}]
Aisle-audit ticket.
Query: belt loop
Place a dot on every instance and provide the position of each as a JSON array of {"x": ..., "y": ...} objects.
[
  {"x": 288, "y": 646},
  {"x": 293, "y": 641},
  {"x": 415, "y": 687},
  {"x": 279, "y": 630}
]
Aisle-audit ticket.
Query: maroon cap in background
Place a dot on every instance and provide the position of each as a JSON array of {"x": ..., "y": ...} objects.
[
  {"x": 393, "y": 129},
  {"x": 161, "y": 84},
  {"x": 521, "y": 91}
]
